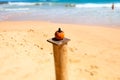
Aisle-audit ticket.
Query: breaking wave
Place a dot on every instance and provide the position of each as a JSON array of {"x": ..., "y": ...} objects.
[{"x": 81, "y": 5}]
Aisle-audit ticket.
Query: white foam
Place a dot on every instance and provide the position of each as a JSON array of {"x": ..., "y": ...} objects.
[
  {"x": 91, "y": 5},
  {"x": 86, "y": 5},
  {"x": 21, "y": 3},
  {"x": 16, "y": 9}
]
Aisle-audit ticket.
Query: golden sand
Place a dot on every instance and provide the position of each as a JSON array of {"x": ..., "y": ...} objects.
[{"x": 93, "y": 52}]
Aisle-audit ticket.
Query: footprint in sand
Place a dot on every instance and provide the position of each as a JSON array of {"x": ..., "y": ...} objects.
[
  {"x": 72, "y": 49},
  {"x": 92, "y": 70},
  {"x": 91, "y": 73},
  {"x": 30, "y": 30},
  {"x": 74, "y": 60},
  {"x": 12, "y": 38},
  {"x": 2, "y": 38},
  {"x": 118, "y": 78},
  {"x": 45, "y": 35},
  {"x": 41, "y": 48},
  {"x": 38, "y": 46},
  {"x": 7, "y": 44},
  {"x": 94, "y": 67},
  {"x": 51, "y": 53}
]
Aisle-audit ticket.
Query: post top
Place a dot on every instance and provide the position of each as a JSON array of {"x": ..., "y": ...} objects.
[{"x": 60, "y": 42}]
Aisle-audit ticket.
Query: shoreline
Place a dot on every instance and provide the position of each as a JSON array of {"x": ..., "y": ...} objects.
[
  {"x": 67, "y": 23},
  {"x": 57, "y": 23}
]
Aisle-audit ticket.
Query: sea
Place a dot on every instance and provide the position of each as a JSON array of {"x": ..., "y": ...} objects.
[{"x": 85, "y": 12}]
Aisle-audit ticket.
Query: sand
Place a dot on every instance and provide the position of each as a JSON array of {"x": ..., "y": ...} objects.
[{"x": 93, "y": 52}]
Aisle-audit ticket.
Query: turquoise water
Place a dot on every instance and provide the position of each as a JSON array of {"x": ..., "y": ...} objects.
[
  {"x": 70, "y": 1},
  {"x": 74, "y": 13}
]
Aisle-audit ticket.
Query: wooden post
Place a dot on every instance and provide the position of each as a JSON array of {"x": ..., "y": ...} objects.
[{"x": 60, "y": 58}]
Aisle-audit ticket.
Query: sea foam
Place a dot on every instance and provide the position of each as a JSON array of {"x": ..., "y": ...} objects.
[
  {"x": 84, "y": 5},
  {"x": 92, "y": 5}
]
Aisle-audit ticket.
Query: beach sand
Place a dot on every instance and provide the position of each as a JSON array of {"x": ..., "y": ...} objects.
[{"x": 93, "y": 52}]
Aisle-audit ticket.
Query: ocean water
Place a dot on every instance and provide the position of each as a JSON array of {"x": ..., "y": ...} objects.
[
  {"x": 70, "y": 1},
  {"x": 90, "y": 12}
]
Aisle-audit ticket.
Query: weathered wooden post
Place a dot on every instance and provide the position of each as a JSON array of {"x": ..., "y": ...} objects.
[{"x": 60, "y": 57}]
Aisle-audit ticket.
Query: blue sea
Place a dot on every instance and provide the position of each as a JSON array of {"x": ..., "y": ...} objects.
[{"x": 85, "y": 12}]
